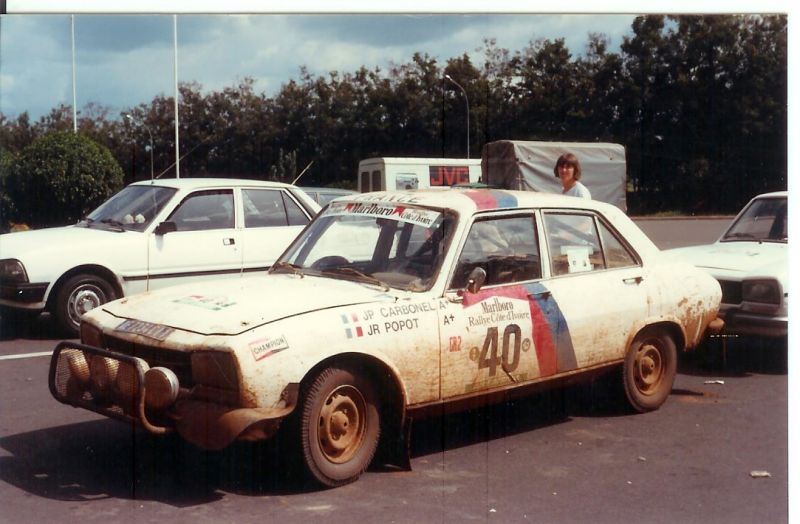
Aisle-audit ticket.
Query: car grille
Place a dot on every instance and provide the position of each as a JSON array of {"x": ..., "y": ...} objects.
[
  {"x": 731, "y": 292},
  {"x": 178, "y": 361}
]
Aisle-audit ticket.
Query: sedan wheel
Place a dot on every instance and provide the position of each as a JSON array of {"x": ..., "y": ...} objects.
[
  {"x": 340, "y": 427},
  {"x": 649, "y": 370},
  {"x": 79, "y": 295}
]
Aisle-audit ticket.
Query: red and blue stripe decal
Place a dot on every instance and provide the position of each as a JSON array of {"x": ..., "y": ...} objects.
[
  {"x": 492, "y": 198},
  {"x": 550, "y": 333}
]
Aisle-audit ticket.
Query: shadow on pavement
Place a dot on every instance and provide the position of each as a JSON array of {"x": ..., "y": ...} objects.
[
  {"x": 736, "y": 357},
  {"x": 40, "y": 327},
  {"x": 107, "y": 459}
]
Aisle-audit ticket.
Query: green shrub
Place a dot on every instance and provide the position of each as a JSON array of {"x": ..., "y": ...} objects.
[{"x": 60, "y": 178}]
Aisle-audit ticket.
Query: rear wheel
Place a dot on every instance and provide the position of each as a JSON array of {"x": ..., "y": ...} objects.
[
  {"x": 649, "y": 370},
  {"x": 78, "y": 295},
  {"x": 340, "y": 426}
]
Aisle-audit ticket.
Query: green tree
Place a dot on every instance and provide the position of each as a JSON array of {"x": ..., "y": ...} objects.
[{"x": 59, "y": 178}]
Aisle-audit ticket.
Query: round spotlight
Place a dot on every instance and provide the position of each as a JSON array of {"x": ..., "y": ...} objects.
[
  {"x": 103, "y": 371},
  {"x": 126, "y": 385},
  {"x": 160, "y": 388},
  {"x": 78, "y": 367}
]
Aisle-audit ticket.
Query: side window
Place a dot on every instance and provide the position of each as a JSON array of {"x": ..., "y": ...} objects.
[
  {"x": 365, "y": 182},
  {"x": 270, "y": 208},
  {"x": 506, "y": 248},
  {"x": 574, "y": 243},
  {"x": 376, "y": 181},
  {"x": 617, "y": 254},
  {"x": 294, "y": 214},
  {"x": 205, "y": 210}
]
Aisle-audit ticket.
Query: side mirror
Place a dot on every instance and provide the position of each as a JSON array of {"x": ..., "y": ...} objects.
[
  {"x": 165, "y": 227},
  {"x": 476, "y": 279}
]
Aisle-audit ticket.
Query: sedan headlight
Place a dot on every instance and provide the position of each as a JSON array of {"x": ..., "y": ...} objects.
[
  {"x": 762, "y": 291},
  {"x": 12, "y": 269},
  {"x": 91, "y": 335}
]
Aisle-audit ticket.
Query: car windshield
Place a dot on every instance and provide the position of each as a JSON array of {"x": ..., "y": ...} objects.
[
  {"x": 377, "y": 243},
  {"x": 133, "y": 208},
  {"x": 764, "y": 220}
]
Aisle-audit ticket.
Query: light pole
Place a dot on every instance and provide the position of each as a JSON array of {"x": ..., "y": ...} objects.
[
  {"x": 466, "y": 99},
  {"x": 130, "y": 117}
]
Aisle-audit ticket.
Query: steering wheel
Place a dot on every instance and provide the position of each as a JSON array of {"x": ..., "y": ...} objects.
[{"x": 329, "y": 262}]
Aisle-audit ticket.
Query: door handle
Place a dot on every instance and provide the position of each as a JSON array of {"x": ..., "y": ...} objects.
[
  {"x": 228, "y": 241},
  {"x": 633, "y": 280}
]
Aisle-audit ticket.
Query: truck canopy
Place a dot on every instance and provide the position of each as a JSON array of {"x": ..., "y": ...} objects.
[{"x": 528, "y": 166}]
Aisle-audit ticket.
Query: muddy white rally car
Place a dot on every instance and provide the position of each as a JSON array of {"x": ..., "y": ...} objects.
[{"x": 387, "y": 306}]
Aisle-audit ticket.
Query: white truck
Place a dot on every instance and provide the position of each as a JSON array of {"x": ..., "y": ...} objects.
[
  {"x": 392, "y": 173},
  {"x": 528, "y": 166}
]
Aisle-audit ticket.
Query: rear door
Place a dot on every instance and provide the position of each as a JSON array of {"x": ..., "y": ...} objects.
[
  {"x": 271, "y": 219},
  {"x": 597, "y": 282}
]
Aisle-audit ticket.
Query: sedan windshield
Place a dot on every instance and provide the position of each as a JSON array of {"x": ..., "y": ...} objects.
[
  {"x": 133, "y": 208},
  {"x": 377, "y": 243},
  {"x": 764, "y": 220}
]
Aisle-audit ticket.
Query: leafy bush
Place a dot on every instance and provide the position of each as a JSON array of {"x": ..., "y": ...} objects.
[
  {"x": 7, "y": 208},
  {"x": 59, "y": 178}
]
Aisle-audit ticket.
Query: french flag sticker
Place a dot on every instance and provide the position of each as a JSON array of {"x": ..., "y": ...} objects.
[{"x": 349, "y": 326}]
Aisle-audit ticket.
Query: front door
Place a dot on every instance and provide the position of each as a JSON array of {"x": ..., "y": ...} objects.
[{"x": 206, "y": 243}]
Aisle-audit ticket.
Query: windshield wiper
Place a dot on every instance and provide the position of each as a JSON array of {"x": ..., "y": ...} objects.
[
  {"x": 291, "y": 268},
  {"x": 114, "y": 223},
  {"x": 358, "y": 274}
]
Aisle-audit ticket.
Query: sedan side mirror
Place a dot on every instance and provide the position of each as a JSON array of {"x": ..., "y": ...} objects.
[
  {"x": 166, "y": 227},
  {"x": 476, "y": 279}
]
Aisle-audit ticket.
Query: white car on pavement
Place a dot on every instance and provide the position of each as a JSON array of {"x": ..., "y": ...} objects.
[
  {"x": 751, "y": 262},
  {"x": 149, "y": 235},
  {"x": 386, "y": 307}
]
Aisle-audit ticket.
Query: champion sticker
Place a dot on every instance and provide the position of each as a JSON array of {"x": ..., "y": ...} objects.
[{"x": 264, "y": 347}]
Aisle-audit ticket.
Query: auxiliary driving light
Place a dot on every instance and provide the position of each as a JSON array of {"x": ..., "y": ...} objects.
[
  {"x": 126, "y": 385},
  {"x": 78, "y": 367},
  {"x": 161, "y": 388}
]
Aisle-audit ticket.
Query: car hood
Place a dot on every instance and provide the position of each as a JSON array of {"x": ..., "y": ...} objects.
[
  {"x": 30, "y": 244},
  {"x": 766, "y": 258},
  {"x": 230, "y": 307}
]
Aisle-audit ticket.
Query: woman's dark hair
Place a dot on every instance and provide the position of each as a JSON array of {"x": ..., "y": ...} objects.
[{"x": 570, "y": 160}]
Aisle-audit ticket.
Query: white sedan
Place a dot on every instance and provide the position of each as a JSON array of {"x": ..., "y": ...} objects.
[
  {"x": 386, "y": 307},
  {"x": 751, "y": 262},
  {"x": 150, "y": 235}
]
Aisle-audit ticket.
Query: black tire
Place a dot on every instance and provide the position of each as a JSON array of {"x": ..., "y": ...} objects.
[
  {"x": 339, "y": 426},
  {"x": 649, "y": 370},
  {"x": 79, "y": 294}
]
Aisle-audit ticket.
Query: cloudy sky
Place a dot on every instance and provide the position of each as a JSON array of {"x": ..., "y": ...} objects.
[{"x": 126, "y": 59}]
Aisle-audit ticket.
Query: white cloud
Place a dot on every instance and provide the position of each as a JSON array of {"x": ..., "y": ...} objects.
[{"x": 123, "y": 61}]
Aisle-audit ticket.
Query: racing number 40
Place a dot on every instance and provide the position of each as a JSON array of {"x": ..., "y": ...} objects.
[{"x": 489, "y": 358}]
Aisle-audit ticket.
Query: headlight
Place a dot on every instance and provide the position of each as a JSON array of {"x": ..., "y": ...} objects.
[
  {"x": 763, "y": 291},
  {"x": 12, "y": 269},
  {"x": 91, "y": 335},
  {"x": 216, "y": 369}
]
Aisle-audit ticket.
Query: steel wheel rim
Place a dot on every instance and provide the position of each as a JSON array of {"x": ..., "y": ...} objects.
[
  {"x": 83, "y": 299},
  {"x": 342, "y": 424},
  {"x": 649, "y": 368}
]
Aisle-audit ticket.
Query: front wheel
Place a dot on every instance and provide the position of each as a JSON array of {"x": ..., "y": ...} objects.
[
  {"x": 78, "y": 295},
  {"x": 340, "y": 426},
  {"x": 649, "y": 370}
]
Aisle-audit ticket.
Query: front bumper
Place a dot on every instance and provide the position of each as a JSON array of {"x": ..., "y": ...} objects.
[
  {"x": 113, "y": 384},
  {"x": 741, "y": 322},
  {"x": 23, "y": 295}
]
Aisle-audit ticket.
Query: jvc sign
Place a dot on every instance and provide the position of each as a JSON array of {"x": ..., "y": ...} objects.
[{"x": 449, "y": 175}]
